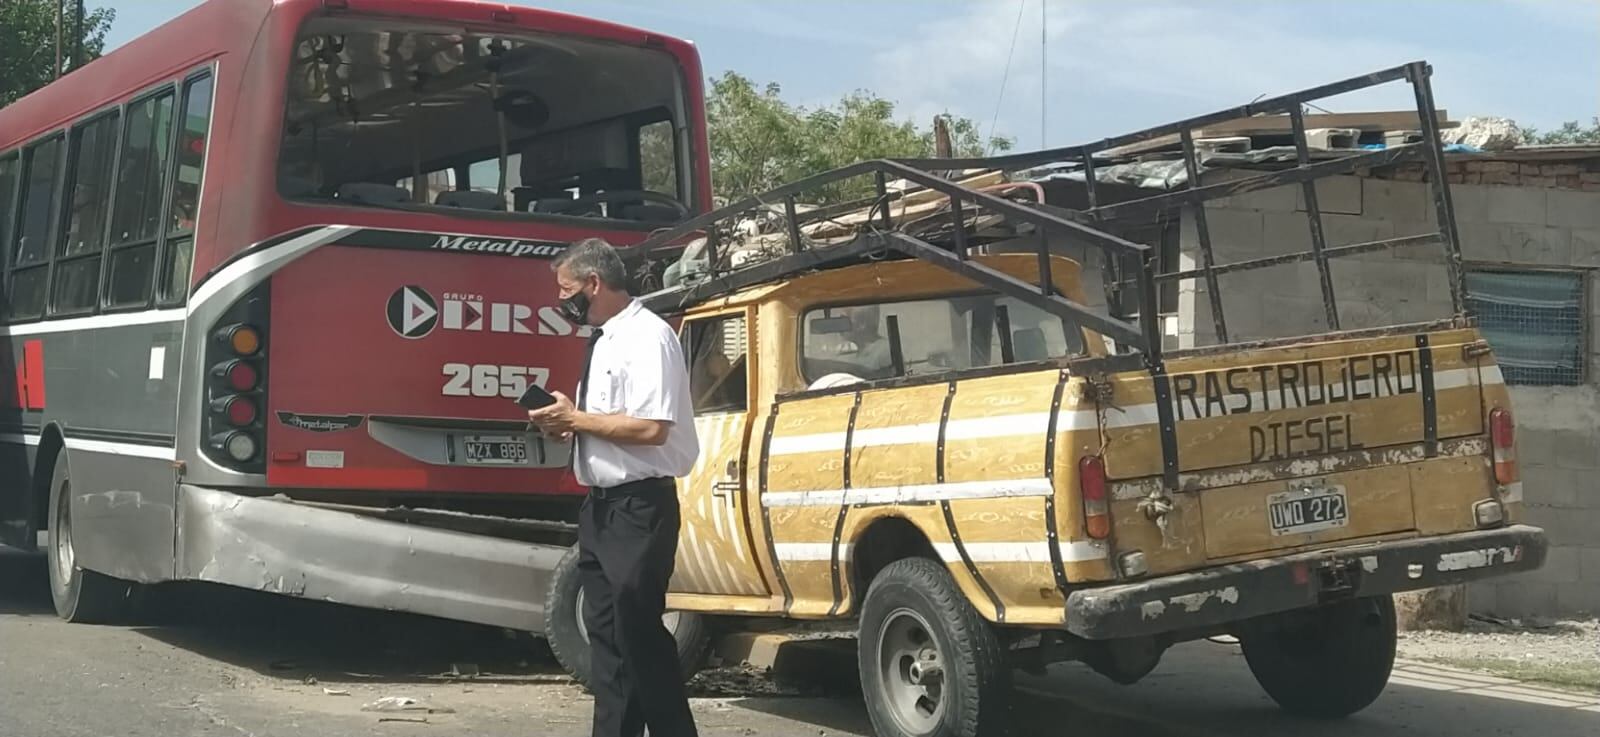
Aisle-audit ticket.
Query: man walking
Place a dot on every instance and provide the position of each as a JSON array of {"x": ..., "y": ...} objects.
[{"x": 632, "y": 429}]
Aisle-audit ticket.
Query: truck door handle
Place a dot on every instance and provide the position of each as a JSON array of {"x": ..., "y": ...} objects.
[{"x": 724, "y": 488}]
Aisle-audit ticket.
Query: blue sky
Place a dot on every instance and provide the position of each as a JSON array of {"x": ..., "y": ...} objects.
[{"x": 1113, "y": 66}]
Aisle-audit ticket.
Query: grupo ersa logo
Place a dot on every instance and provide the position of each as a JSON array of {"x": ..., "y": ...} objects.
[{"x": 412, "y": 312}]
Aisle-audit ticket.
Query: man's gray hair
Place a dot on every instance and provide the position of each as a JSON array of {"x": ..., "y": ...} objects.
[{"x": 594, "y": 256}]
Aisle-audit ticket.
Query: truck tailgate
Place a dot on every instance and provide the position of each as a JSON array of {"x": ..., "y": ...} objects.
[{"x": 1252, "y": 427}]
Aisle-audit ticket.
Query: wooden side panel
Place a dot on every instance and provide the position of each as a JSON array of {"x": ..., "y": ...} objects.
[
  {"x": 804, "y": 456},
  {"x": 1006, "y": 542},
  {"x": 894, "y": 437}
]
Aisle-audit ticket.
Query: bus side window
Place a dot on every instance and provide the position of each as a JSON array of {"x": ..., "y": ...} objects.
[
  {"x": 91, "y": 151},
  {"x": 136, "y": 215},
  {"x": 193, "y": 134},
  {"x": 31, "y": 258},
  {"x": 9, "y": 166}
]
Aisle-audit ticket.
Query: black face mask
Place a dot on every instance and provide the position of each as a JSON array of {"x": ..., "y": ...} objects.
[{"x": 576, "y": 307}]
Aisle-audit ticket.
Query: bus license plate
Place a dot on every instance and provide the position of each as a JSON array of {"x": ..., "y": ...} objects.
[
  {"x": 495, "y": 450},
  {"x": 1308, "y": 509}
]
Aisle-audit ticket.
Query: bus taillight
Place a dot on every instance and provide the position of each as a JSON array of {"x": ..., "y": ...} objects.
[
  {"x": 238, "y": 375},
  {"x": 239, "y": 411},
  {"x": 239, "y": 446},
  {"x": 235, "y": 396},
  {"x": 244, "y": 340}
]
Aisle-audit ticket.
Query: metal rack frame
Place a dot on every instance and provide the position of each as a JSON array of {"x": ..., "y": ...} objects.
[{"x": 1130, "y": 265}]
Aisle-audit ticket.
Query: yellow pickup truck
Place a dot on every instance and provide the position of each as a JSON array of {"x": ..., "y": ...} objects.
[{"x": 941, "y": 442}]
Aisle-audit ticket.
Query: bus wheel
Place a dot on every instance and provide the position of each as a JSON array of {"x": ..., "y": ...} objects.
[
  {"x": 80, "y": 595},
  {"x": 1328, "y": 662},
  {"x": 569, "y": 637},
  {"x": 930, "y": 665}
]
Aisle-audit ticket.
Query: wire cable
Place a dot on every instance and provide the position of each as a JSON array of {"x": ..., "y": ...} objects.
[{"x": 1004, "y": 77}]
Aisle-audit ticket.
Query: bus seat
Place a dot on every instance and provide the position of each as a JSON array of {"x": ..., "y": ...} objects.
[
  {"x": 471, "y": 200},
  {"x": 372, "y": 193}
]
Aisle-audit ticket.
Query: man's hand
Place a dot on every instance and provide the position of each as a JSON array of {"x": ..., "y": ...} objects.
[
  {"x": 557, "y": 420},
  {"x": 562, "y": 420}
]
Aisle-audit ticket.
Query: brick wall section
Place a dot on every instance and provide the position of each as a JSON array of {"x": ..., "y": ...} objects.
[
  {"x": 1554, "y": 223},
  {"x": 1582, "y": 176}
]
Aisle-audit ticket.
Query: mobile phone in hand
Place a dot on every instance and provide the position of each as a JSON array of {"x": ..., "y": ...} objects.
[{"x": 535, "y": 398}]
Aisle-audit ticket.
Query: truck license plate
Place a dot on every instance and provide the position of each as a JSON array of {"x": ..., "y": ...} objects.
[
  {"x": 1308, "y": 509},
  {"x": 495, "y": 450}
]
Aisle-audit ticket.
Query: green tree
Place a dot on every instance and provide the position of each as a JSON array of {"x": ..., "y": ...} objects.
[
  {"x": 28, "y": 42},
  {"x": 1570, "y": 132},
  {"x": 759, "y": 141}
]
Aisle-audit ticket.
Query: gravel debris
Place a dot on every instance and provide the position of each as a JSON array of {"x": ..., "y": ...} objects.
[{"x": 1570, "y": 641}]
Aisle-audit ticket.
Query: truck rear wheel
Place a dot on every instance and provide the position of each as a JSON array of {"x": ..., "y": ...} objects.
[
  {"x": 569, "y": 637},
  {"x": 930, "y": 665},
  {"x": 1328, "y": 662},
  {"x": 79, "y": 595}
]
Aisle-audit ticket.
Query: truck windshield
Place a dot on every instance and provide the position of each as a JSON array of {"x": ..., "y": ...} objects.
[
  {"x": 940, "y": 334},
  {"x": 390, "y": 114}
]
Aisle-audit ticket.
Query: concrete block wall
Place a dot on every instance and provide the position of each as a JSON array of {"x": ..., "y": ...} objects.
[{"x": 1500, "y": 224}]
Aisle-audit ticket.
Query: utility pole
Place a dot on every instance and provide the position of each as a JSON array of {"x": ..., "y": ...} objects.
[
  {"x": 1044, "y": 76},
  {"x": 58, "y": 38},
  {"x": 77, "y": 39},
  {"x": 941, "y": 138}
]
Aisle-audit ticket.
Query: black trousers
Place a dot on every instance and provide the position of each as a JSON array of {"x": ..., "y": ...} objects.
[{"x": 627, "y": 542}]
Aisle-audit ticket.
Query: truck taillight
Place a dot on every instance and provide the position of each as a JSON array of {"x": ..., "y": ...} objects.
[
  {"x": 1503, "y": 440},
  {"x": 1092, "y": 488},
  {"x": 236, "y": 394}
]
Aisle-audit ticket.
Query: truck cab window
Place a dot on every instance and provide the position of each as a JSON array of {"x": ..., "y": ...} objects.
[
  {"x": 718, "y": 369},
  {"x": 939, "y": 334},
  {"x": 430, "y": 119}
]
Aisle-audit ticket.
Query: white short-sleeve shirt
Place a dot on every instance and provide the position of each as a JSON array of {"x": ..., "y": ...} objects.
[{"x": 638, "y": 370}]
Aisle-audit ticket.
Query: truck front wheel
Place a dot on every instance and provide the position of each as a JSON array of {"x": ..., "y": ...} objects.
[
  {"x": 569, "y": 638},
  {"x": 1328, "y": 662},
  {"x": 930, "y": 665}
]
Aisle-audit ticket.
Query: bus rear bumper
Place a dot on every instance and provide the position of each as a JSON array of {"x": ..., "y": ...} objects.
[{"x": 280, "y": 547}]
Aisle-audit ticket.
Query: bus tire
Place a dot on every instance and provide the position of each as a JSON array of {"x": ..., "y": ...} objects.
[
  {"x": 1324, "y": 663},
  {"x": 79, "y": 595},
  {"x": 569, "y": 638},
  {"x": 930, "y": 665}
]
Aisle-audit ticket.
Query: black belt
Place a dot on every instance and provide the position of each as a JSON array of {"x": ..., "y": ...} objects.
[{"x": 657, "y": 483}]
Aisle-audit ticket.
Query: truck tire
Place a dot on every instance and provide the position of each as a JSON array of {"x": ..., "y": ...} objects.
[
  {"x": 930, "y": 665},
  {"x": 569, "y": 638},
  {"x": 1325, "y": 663},
  {"x": 79, "y": 595}
]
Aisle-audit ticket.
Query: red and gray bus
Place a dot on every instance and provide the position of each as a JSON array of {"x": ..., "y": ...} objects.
[{"x": 274, "y": 273}]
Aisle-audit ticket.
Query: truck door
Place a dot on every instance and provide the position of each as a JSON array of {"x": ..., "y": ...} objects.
[{"x": 715, "y": 550}]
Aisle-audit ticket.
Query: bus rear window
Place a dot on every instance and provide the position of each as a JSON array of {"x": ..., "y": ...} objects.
[{"x": 385, "y": 114}]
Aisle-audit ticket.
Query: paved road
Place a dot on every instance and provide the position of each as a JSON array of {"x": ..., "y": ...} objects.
[{"x": 225, "y": 662}]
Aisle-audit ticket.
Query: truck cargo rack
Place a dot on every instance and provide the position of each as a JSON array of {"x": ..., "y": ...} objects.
[{"x": 1130, "y": 265}]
